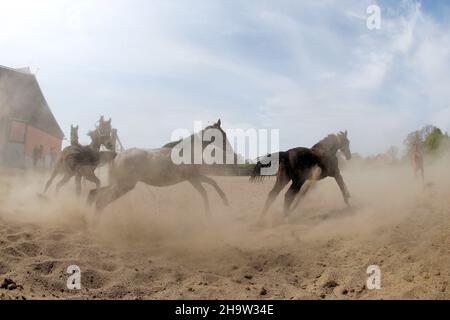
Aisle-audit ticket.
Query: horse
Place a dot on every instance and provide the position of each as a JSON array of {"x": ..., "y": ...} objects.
[
  {"x": 81, "y": 161},
  {"x": 155, "y": 167},
  {"x": 417, "y": 160},
  {"x": 301, "y": 164}
]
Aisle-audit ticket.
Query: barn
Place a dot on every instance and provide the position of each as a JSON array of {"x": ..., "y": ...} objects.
[{"x": 26, "y": 121}]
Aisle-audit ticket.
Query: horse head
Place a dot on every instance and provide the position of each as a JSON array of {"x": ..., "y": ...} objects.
[
  {"x": 344, "y": 144},
  {"x": 101, "y": 137},
  {"x": 215, "y": 135}
]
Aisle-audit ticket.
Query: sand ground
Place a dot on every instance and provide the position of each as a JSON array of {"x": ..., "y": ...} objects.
[{"x": 155, "y": 243}]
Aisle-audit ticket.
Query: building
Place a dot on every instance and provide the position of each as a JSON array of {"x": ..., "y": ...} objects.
[{"x": 26, "y": 121}]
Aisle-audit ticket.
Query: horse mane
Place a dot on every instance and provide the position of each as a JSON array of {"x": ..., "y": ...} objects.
[
  {"x": 172, "y": 144},
  {"x": 326, "y": 142},
  {"x": 198, "y": 135}
]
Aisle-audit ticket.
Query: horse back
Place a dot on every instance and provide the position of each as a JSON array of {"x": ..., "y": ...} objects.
[
  {"x": 152, "y": 166},
  {"x": 304, "y": 159}
]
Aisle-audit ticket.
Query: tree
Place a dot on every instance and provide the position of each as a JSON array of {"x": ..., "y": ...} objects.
[
  {"x": 429, "y": 139},
  {"x": 417, "y": 137},
  {"x": 433, "y": 140}
]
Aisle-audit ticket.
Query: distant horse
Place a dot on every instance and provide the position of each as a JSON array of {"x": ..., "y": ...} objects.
[
  {"x": 417, "y": 160},
  {"x": 301, "y": 164},
  {"x": 81, "y": 161},
  {"x": 155, "y": 167}
]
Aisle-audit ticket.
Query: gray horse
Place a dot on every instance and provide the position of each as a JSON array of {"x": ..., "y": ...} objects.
[{"x": 155, "y": 167}]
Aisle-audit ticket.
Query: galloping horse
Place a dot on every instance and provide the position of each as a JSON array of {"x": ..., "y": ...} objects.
[
  {"x": 155, "y": 167},
  {"x": 417, "y": 160},
  {"x": 301, "y": 164},
  {"x": 81, "y": 161}
]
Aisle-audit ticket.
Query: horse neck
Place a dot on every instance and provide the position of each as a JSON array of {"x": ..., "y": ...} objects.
[
  {"x": 227, "y": 149},
  {"x": 328, "y": 146},
  {"x": 95, "y": 146},
  {"x": 196, "y": 139}
]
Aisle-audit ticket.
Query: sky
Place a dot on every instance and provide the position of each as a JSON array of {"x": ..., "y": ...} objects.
[{"x": 307, "y": 68}]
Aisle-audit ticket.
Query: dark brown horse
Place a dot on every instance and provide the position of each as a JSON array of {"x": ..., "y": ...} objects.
[
  {"x": 156, "y": 167},
  {"x": 301, "y": 164},
  {"x": 81, "y": 161}
]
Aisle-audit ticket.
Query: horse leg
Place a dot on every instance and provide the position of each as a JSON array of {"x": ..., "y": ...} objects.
[
  {"x": 63, "y": 181},
  {"x": 316, "y": 174},
  {"x": 290, "y": 196},
  {"x": 214, "y": 184},
  {"x": 55, "y": 172},
  {"x": 109, "y": 194},
  {"x": 343, "y": 187},
  {"x": 198, "y": 186},
  {"x": 78, "y": 184},
  {"x": 93, "y": 194},
  {"x": 90, "y": 175},
  {"x": 421, "y": 171},
  {"x": 282, "y": 181},
  {"x": 49, "y": 182}
]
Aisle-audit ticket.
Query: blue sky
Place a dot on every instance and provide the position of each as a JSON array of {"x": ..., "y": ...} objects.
[{"x": 308, "y": 68}]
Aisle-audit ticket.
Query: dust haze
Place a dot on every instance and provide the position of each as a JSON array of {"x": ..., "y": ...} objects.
[{"x": 156, "y": 243}]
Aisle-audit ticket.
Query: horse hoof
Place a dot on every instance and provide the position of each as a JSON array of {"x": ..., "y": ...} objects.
[{"x": 286, "y": 220}]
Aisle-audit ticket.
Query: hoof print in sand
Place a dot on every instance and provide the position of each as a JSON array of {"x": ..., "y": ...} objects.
[
  {"x": 45, "y": 267},
  {"x": 92, "y": 279}
]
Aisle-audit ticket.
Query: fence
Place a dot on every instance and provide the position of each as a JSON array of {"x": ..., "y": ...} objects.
[{"x": 227, "y": 170}]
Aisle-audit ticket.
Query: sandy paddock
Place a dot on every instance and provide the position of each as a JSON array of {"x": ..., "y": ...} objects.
[{"x": 155, "y": 243}]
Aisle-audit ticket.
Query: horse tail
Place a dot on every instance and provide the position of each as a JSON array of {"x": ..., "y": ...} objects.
[
  {"x": 266, "y": 162},
  {"x": 256, "y": 173}
]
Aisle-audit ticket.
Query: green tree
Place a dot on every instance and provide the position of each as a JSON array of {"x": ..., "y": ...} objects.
[
  {"x": 430, "y": 139},
  {"x": 433, "y": 140},
  {"x": 417, "y": 137}
]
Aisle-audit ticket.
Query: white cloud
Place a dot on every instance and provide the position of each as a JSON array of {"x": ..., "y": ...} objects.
[{"x": 307, "y": 68}]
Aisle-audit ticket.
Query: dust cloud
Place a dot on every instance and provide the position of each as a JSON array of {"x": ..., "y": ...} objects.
[{"x": 157, "y": 243}]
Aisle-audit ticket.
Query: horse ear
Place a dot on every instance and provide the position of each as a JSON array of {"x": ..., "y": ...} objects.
[
  {"x": 109, "y": 121},
  {"x": 345, "y": 133},
  {"x": 219, "y": 123}
]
